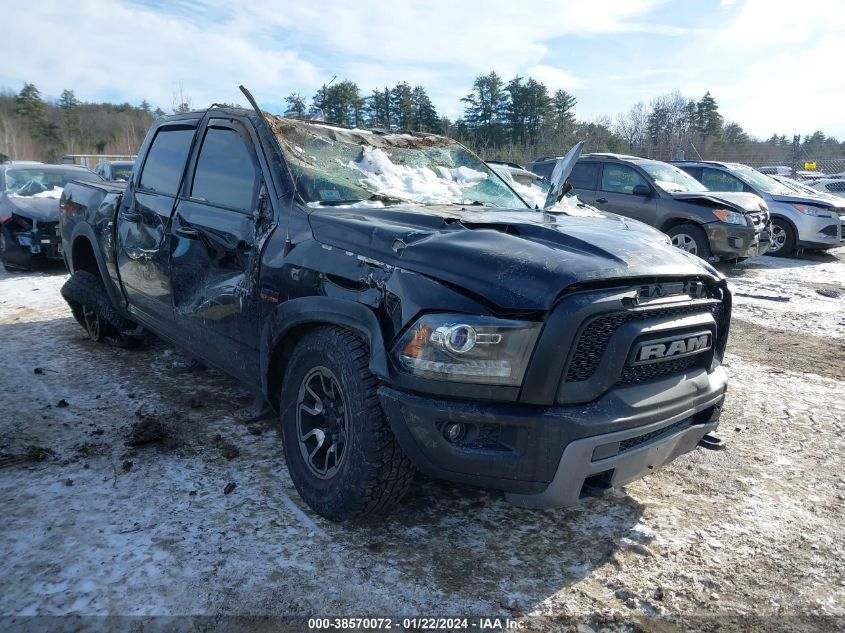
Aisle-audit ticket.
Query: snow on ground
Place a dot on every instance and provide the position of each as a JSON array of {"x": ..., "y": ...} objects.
[
  {"x": 805, "y": 294},
  {"x": 92, "y": 525}
]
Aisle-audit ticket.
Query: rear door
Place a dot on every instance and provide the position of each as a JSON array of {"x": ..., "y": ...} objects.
[
  {"x": 584, "y": 180},
  {"x": 216, "y": 248},
  {"x": 616, "y": 193},
  {"x": 143, "y": 220}
]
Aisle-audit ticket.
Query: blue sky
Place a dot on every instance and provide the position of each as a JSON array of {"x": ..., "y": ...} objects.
[{"x": 772, "y": 65}]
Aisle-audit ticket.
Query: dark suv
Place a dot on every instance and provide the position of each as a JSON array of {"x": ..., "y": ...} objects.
[{"x": 714, "y": 226}]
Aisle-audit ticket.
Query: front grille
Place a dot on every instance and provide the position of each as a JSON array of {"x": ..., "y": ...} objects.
[
  {"x": 759, "y": 219},
  {"x": 627, "y": 445},
  {"x": 593, "y": 341},
  {"x": 654, "y": 371}
]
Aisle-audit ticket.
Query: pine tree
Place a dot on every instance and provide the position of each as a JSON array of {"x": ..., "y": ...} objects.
[
  {"x": 68, "y": 100},
  {"x": 425, "y": 117},
  {"x": 562, "y": 114},
  {"x": 296, "y": 106},
  {"x": 708, "y": 119},
  {"x": 401, "y": 106},
  {"x": 486, "y": 112}
]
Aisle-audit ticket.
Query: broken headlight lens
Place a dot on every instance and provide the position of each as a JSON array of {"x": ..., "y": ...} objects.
[{"x": 465, "y": 348}]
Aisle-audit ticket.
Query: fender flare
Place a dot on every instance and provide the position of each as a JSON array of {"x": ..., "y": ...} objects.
[
  {"x": 83, "y": 230},
  {"x": 321, "y": 311}
]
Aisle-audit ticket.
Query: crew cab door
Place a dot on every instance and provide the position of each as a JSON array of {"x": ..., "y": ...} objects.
[
  {"x": 143, "y": 220},
  {"x": 616, "y": 193},
  {"x": 216, "y": 246}
]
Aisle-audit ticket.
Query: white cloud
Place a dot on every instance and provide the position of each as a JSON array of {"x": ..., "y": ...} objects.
[{"x": 555, "y": 78}]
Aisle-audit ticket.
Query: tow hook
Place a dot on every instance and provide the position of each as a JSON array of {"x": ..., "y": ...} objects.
[{"x": 711, "y": 442}]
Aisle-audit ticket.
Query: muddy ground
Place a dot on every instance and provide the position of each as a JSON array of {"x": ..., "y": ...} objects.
[{"x": 128, "y": 488}]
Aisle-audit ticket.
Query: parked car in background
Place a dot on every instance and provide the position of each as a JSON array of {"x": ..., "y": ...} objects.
[
  {"x": 516, "y": 172},
  {"x": 92, "y": 160},
  {"x": 776, "y": 170},
  {"x": 29, "y": 210},
  {"x": 806, "y": 175},
  {"x": 713, "y": 226},
  {"x": 398, "y": 305},
  {"x": 114, "y": 171},
  {"x": 799, "y": 220},
  {"x": 833, "y": 186},
  {"x": 805, "y": 189}
]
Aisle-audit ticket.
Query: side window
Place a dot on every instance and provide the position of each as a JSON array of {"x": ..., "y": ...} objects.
[
  {"x": 226, "y": 173},
  {"x": 836, "y": 186},
  {"x": 166, "y": 160},
  {"x": 584, "y": 176},
  {"x": 620, "y": 179},
  {"x": 716, "y": 180},
  {"x": 544, "y": 169}
]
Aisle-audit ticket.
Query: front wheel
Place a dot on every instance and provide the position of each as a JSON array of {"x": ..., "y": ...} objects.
[
  {"x": 692, "y": 239},
  {"x": 341, "y": 453},
  {"x": 782, "y": 240}
]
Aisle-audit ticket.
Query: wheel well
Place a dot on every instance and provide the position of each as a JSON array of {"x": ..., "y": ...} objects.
[
  {"x": 82, "y": 256},
  {"x": 786, "y": 220},
  {"x": 673, "y": 222},
  {"x": 282, "y": 353}
]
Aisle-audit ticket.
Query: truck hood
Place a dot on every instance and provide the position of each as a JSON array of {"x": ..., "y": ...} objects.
[
  {"x": 38, "y": 209},
  {"x": 736, "y": 200},
  {"x": 517, "y": 260}
]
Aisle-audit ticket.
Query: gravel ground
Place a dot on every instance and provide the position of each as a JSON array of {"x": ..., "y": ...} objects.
[{"x": 115, "y": 466}]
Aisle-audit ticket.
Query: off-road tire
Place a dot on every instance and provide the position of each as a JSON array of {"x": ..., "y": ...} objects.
[
  {"x": 373, "y": 474},
  {"x": 788, "y": 247},
  {"x": 86, "y": 290},
  {"x": 696, "y": 233}
]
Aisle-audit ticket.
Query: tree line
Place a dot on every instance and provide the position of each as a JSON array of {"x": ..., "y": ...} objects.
[{"x": 517, "y": 120}]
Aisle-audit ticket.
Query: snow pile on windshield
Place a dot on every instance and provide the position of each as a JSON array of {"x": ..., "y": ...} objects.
[
  {"x": 671, "y": 186},
  {"x": 55, "y": 193},
  {"x": 416, "y": 184}
]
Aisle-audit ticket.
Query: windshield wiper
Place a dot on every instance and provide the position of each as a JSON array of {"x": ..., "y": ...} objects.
[{"x": 373, "y": 198}]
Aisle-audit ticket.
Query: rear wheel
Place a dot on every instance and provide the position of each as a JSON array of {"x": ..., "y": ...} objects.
[
  {"x": 86, "y": 295},
  {"x": 692, "y": 239},
  {"x": 341, "y": 453},
  {"x": 782, "y": 240}
]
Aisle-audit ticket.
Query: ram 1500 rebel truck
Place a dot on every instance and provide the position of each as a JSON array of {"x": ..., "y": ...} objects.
[{"x": 401, "y": 308}]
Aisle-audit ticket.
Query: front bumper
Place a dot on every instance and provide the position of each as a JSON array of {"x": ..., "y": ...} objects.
[
  {"x": 822, "y": 233},
  {"x": 550, "y": 456},
  {"x": 729, "y": 241},
  {"x": 41, "y": 239}
]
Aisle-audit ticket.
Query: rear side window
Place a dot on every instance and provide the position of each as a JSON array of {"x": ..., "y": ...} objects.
[
  {"x": 544, "y": 170},
  {"x": 836, "y": 186},
  {"x": 620, "y": 179},
  {"x": 584, "y": 176},
  {"x": 226, "y": 173},
  {"x": 166, "y": 160},
  {"x": 716, "y": 180}
]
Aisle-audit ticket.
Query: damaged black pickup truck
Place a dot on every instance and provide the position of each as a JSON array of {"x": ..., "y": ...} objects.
[{"x": 401, "y": 308}]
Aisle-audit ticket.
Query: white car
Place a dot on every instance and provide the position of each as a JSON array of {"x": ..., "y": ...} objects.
[{"x": 835, "y": 186}]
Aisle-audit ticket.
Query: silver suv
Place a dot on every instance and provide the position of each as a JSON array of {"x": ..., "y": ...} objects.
[{"x": 798, "y": 220}]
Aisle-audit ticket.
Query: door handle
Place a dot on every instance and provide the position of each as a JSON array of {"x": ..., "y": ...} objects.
[
  {"x": 601, "y": 200},
  {"x": 186, "y": 231}
]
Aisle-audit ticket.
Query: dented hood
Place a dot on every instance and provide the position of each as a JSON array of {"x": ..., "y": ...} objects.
[
  {"x": 518, "y": 260},
  {"x": 736, "y": 200},
  {"x": 38, "y": 209}
]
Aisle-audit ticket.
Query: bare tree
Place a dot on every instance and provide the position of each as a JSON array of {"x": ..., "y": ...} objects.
[
  {"x": 180, "y": 101},
  {"x": 631, "y": 126}
]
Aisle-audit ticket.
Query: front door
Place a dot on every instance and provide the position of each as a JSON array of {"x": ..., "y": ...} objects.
[
  {"x": 143, "y": 220},
  {"x": 215, "y": 250},
  {"x": 616, "y": 193}
]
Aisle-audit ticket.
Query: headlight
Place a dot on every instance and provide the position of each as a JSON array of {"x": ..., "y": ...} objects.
[
  {"x": 464, "y": 348},
  {"x": 729, "y": 217},
  {"x": 816, "y": 212}
]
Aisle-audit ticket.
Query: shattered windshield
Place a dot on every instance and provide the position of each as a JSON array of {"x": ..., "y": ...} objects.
[
  {"x": 43, "y": 183},
  {"x": 670, "y": 178},
  {"x": 339, "y": 167}
]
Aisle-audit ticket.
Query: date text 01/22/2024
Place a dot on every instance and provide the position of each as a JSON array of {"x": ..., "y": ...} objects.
[{"x": 416, "y": 624}]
